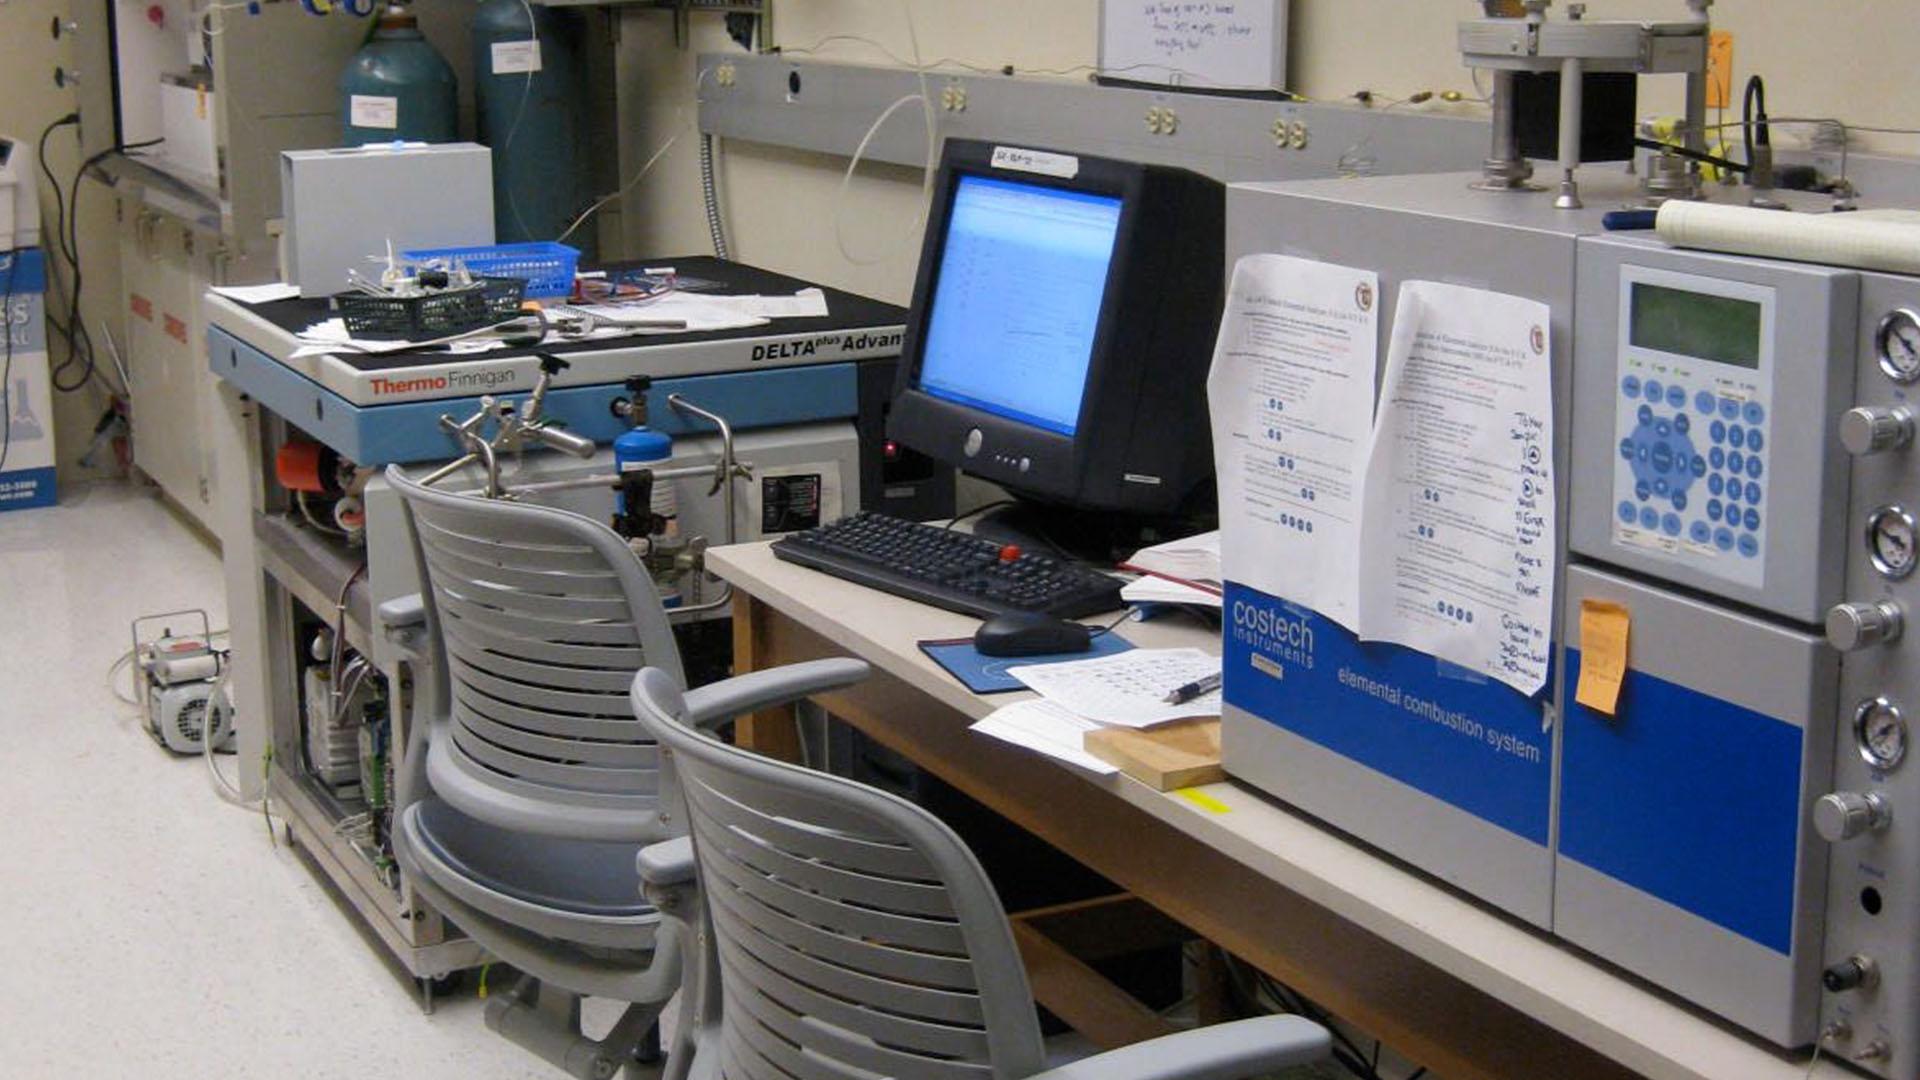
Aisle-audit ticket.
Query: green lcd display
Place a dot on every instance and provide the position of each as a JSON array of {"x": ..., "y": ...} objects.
[{"x": 1700, "y": 325}]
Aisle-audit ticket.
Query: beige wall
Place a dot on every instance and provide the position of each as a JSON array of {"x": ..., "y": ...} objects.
[
  {"x": 28, "y": 102},
  {"x": 779, "y": 204}
]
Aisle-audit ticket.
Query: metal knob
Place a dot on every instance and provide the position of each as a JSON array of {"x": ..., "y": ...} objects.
[
  {"x": 1859, "y": 626},
  {"x": 65, "y": 77},
  {"x": 1856, "y": 972},
  {"x": 1844, "y": 815},
  {"x": 1871, "y": 429}
]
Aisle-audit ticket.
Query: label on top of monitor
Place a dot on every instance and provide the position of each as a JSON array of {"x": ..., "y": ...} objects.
[{"x": 1044, "y": 162}]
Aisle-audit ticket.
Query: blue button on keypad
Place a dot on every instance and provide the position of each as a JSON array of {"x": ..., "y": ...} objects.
[
  {"x": 1718, "y": 430},
  {"x": 1679, "y": 500},
  {"x": 1676, "y": 397},
  {"x": 1723, "y": 538},
  {"x": 1717, "y": 457},
  {"x": 1733, "y": 491},
  {"x": 1755, "y": 441},
  {"x": 1749, "y": 545},
  {"x": 1626, "y": 512},
  {"x": 1754, "y": 412},
  {"x": 1702, "y": 401},
  {"x": 1699, "y": 533},
  {"x": 1699, "y": 468},
  {"x": 1753, "y": 493},
  {"x": 1736, "y": 461},
  {"x": 1646, "y": 414},
  {"x": 1753, "y": 467},
  {"x": 1716, "y": 484},
  {"x": 1681, "y": 423},
  {"x": 1729, "y": 408},
  {"x": 1642, "y": 492},
  {"x": 1649, "y": 517},
  {"x": 1626, "y": 449},
  {"x": 1713, "y": 509},
  {"x": 1661, "y": 487},
  {"x": 1737, "y": 437},
  {"x": 1670, "y": 524},
  {"x": 1662, "y": 428},
  {"x": 1654, "y": 391},
  {"x": 1661, "y": 457},
  {"x": 1751, "y": 519},
  {"x": 1630, "y": 385}
]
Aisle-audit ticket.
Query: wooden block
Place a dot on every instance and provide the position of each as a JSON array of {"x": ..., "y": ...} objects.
[{"x": 1176, "y": 755}]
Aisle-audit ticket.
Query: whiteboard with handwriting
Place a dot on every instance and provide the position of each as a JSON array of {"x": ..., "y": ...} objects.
[{"x": 1202, "y": 44}]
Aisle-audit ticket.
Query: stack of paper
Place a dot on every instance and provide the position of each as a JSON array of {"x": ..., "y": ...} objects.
[
  {"x": 1124, "y": 690},
  {"x": 1184, "y": 571}
]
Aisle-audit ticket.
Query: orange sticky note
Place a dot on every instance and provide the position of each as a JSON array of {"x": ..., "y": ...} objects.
[
  {"x": 1719, "y": 69},
  {"x": 1603, "y": 654}
]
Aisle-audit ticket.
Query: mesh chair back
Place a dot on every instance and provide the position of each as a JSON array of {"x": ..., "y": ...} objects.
[
  {"x": 856, "y": 934},
  {"x": 538, "y": 618}
]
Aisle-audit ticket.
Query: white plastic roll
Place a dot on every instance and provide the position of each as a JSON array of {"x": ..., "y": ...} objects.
[{"x": 1864, "y": 239}]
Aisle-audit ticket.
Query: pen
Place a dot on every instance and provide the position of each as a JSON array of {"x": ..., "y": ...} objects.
[{"x": 1180, "y": 695}]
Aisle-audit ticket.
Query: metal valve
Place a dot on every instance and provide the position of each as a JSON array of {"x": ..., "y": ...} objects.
[
  {"x": 1856, "y": 972},
  {"x": 1872, "y": 429},
  {"x": 1844, "y": 815},
  {"x": 1859, "y": 626}
]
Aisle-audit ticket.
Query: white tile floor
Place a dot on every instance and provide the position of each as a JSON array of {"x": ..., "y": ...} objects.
[{"x": 147, "y": 929}]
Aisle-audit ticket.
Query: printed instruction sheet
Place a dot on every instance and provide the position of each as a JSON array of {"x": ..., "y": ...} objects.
[
  {"x": 1291, "y": 397},
  {"x": 1427, "y": 521},
  {"x": 1458, "y": 547}
]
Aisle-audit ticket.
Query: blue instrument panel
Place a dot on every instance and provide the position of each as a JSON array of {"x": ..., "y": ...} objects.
[{"x": 1693, "y": 421}]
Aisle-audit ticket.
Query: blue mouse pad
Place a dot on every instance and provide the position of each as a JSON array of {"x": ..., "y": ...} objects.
[{"x": 988, "y": 674}]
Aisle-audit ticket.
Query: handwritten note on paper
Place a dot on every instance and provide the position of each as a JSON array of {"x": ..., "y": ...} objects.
[
  {"x": 1127, "y": 689},
  {"x": 1459, "y": 548},
  {"x": 1290, "y": 394},
  {"x": 1238, "y": 44}
]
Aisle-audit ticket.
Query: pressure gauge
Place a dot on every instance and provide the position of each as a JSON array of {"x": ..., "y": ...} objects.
[
  {"x": 1880, "y": 733},
  {"x": 1891, "y": 536},
  {"x": 1898, "y": 342}
]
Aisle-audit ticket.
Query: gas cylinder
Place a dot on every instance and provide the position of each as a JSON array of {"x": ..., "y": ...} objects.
[
  {"x": 398, "y": 87},
  {"x": 644, "y": 448},
  {"x": 530, "y": 107}
]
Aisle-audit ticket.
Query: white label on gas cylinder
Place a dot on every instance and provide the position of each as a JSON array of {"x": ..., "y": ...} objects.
[
  {"x": 516, "y": 57},
  {"x": 1043, "y": 162},
  {"x": 371, "y": 111}
]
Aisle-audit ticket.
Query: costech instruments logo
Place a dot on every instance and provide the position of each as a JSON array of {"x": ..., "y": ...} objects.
[{"x": 452, "y": 380}]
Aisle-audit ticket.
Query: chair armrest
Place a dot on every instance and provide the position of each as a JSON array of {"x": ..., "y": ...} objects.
[
  {"x": 403, "y": 612},
  {"x": 1219, "y": 1052},
  {"x": 718, "y": 702},
  {"x": 669, "y": 862}
]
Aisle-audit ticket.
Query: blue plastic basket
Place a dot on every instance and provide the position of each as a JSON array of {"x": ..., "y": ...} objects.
[{"x": 546, "y": 267}]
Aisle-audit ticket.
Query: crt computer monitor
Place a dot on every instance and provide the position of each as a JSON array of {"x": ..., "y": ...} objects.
[{"x": 1062, "y": 322}]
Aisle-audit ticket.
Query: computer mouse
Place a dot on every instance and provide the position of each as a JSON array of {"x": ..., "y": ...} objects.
[{"x": 1029, "y": 633}]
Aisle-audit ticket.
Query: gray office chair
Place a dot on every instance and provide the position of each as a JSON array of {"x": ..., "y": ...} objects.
[
  {"x": 853, "y": 935},
  {"x": 528, "y": 788}
]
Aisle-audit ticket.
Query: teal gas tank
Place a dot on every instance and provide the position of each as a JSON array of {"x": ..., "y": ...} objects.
[
  {"x": 530, "y": 108},
  {"x": 398, "y": 87}
]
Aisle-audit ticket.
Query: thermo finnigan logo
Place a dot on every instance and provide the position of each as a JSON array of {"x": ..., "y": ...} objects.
[{"x": 452, "y": 380}]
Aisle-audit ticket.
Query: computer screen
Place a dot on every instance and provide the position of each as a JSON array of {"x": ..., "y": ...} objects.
[
  {"x": 1017, "y": 300},
  {"x": 1062, "y": 322}
]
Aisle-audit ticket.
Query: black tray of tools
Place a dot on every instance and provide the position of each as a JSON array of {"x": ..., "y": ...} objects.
[{"x": 432, "y": 315}]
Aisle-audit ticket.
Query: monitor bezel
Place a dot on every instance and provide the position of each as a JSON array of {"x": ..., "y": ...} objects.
[{"x": 1058, "y": 459}]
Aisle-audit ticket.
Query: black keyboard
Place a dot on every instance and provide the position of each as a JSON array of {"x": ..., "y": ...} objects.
[{"x": 948, "y": 569}]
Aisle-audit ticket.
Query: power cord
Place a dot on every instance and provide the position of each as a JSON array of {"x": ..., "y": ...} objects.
[{"x": 79, "y": 342}]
